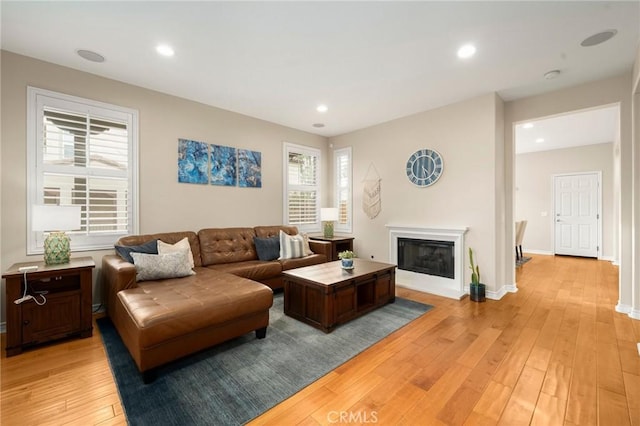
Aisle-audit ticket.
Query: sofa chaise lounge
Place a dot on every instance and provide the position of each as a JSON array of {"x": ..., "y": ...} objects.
[{"x": 229, "y": 295}]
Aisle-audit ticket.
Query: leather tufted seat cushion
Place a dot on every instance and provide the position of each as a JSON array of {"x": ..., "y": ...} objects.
[
  {"x": 168, "y": 309},
  {"x": 300, "y": 262},
  {"x": 253, "y": 269}
]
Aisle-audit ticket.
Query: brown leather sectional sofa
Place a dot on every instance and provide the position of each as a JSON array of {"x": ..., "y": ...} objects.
[{"x": 230, "y": 294}]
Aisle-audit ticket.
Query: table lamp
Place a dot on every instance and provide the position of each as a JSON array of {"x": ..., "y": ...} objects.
[
  {"x": 328, "y": 215},
  {"x": 55, "y": 220}
]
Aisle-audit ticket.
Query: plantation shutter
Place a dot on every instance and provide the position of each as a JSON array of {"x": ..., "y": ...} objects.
[
  {"x": 343, "y": 185},
  {"x": 85, "y": 163},
  {"x": 302, "y": 188},
  {"x": 84, "y": 158}
]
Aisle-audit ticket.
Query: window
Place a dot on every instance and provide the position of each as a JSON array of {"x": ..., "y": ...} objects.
[
  {"x": 343, "y": 188},
  {"x": 302, "y": 187},
  {"x": 82, "y": 152}
]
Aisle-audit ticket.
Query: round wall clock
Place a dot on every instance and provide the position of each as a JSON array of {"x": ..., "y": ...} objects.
[{"x": 424, "y": 167}]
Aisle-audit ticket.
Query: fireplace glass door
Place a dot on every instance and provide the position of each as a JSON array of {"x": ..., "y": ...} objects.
[{"x": 427, "y": 257}]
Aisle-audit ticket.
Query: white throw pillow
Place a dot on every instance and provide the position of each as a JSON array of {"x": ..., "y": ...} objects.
[
  {"x": 306, "y": 248},
  {"x": 183, "y": 244},
  {"x": 291, "y": 246},
  {"x": 161, "y": 266}
]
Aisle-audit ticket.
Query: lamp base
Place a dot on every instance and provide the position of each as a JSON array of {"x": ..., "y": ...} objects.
[
  {"x": 328, "y": 229},
  {"x": 57, "y": 248}
]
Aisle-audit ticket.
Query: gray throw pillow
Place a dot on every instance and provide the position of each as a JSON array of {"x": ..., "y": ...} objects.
[
  {"x": 267, "y": 248},
  {"x": 161, "y": 266}
]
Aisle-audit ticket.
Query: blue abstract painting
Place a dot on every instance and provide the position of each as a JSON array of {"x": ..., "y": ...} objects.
[
  {"x": 193, "y": 161},
  {"x": 249, "y": 169},
  {"x": 223, "y": 165}
]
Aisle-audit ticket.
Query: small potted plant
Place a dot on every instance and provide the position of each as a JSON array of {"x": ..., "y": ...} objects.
[
  {"x": 347, "y": 259},
  {"x": 476, "y": 288}
]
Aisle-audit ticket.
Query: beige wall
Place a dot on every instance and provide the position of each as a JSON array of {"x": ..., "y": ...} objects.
[
  {"x": 615, "y": 90},
  {"x": 634, "y": 309},
  {"x": 636, "y": 72},
  {"x": 165, "y": 205},
  {"x": 534, "y": 192},
  {"x": 465, "y": 196},
  {"x": 503, "y": 253}
]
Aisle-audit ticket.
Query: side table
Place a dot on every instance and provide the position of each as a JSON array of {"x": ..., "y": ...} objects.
[
  {"x": 66, "y": 312},
  {"x": 338, "y": 244}
]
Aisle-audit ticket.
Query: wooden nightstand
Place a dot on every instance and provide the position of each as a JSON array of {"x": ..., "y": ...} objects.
[
  {"x": 338, "y": 244},
  {"x": 67, "y": 311}
]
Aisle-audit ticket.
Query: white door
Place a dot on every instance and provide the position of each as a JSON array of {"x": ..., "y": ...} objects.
[{"x": 577, "y": 219}]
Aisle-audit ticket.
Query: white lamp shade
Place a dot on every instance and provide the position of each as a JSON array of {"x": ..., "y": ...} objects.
[
  {"x": 328, "y": 214},
  {"x": 55, "y": 218}
]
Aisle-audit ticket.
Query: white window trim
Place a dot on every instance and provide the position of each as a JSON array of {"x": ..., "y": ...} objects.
[
  {"x": 291, "y": 147},
  {"x": 348, "y": 227},
  {"x": 35, "y": 98}
]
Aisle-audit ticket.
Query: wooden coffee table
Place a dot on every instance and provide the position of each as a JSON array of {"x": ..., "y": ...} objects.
[{"x": 326, "y": 295}]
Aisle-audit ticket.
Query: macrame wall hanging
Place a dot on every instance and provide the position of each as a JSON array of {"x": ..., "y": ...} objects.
[{"x": 371, "y": 200}]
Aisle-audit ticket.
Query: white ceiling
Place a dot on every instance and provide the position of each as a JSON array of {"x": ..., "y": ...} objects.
[
  {"x": 589, "y": 127},
  {"x": 370, "y": 62}
]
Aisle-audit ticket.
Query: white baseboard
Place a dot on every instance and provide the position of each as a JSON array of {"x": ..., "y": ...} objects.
[
  {"x": 551, "y": 253},
  {"x": 541, "y": 252},
  {"x": 500, "y": 293},
  {"x": 489, "y": 294},
  {"x": 635, "y": 314},
  {"x": 451, "y": 294},
  {"x": 496, "y": 295},
  {"x": 622, "y": 308},
  {"x": 511, "y": 288}
]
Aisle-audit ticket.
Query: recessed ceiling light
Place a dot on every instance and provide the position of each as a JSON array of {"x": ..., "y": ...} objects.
[
  {"x": 527, "y": 126},
  {"x": 466, "y": 51},
  {"x": 598, "y": 38},
  {"x": 165, "y": 50},
  {"x": 551, "y": 74},
  {"x": 318, "y": 125},
  {"x": 322, "y": 108},
  {"x": 539, "y": 140},
  {"x": 90, "y": 55}
]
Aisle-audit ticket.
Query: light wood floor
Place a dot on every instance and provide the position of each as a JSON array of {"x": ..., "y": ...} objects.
[{"x": 555, "y": 352}]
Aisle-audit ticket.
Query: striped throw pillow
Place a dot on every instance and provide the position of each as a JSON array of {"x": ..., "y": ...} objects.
[{"x": 291, "y": 246}]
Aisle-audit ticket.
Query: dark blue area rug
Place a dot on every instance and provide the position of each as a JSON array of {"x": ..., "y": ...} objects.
[{"x": 236, "y": 381}]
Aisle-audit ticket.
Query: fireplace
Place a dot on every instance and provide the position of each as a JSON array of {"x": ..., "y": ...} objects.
[{"x": 429, "y": 259}]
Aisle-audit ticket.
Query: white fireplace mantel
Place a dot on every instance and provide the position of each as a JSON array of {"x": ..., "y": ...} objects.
[{"x": 447, "y": 287}]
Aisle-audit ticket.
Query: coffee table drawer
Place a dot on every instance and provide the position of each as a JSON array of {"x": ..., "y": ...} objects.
[
  {"x": 345, "y": 305},
  {"x": 384, "y": 288}
]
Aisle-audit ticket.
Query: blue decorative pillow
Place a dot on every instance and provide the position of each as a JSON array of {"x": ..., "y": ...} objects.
[
  {"x": 150, "y": 247},
  {"x": 267, "y": 248}
]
